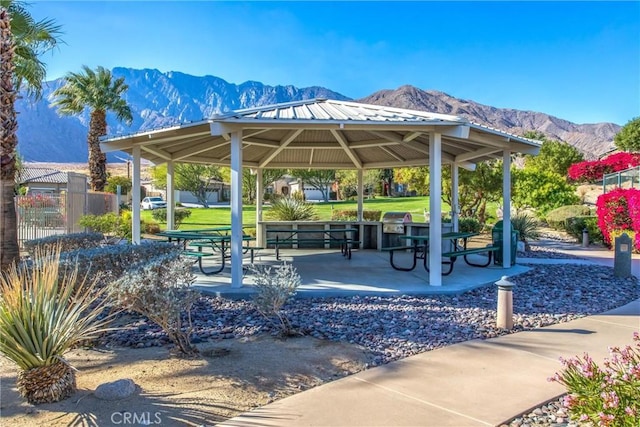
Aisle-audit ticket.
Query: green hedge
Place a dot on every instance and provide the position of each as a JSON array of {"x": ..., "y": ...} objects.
[
  {"x": 575, "y": 225},
  {"x": 352, "y": 215},
  {"x": 179, "y": 215},
  {"x": 557, "y": 218},
  {"x": 469, "y": 225}
]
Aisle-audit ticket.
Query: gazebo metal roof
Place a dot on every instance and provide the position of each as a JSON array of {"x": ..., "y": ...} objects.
[
  {"x": 323, "y": 134},
  {"x": 326, "y": 134}
]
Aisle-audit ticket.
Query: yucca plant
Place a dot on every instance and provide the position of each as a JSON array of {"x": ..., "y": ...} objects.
[
  {"x": 291, "y": 209},
  {"x": 527, "y": 226},
  {"x": 41, "y": 317}
]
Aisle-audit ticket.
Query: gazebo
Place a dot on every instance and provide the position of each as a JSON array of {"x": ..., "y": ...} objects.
[{"x": 326, "y": 134}]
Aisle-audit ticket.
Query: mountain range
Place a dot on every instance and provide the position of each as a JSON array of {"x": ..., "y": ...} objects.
[{"x": 161, "y": 99}]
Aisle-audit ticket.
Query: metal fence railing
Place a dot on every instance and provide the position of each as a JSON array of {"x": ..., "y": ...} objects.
[
  {"x": 41, "y": 215},
  {"x": 629, "y": 178}
]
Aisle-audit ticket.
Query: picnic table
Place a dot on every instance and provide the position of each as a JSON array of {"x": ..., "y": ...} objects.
[
  {"x": 194, "y": 241},
  {"x": 326, "y": 236},
  {"x": 419, "y": 246}
]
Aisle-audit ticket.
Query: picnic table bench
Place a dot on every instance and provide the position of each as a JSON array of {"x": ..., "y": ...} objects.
[
  {"x": 326, "y": 237},
  {"x": 420, "y": 248},
  {"x": 193, "y": 243}
]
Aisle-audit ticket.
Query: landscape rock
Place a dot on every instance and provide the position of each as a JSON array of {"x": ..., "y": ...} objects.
[{"x": 116, "y": 390}]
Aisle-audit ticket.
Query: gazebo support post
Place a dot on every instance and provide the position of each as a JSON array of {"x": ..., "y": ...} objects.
[
  {"x": 236, "y": 209},
  {"x": 171, "y": 204},
  {"x": 506, "y": 209},
  {"x": 435, "y": 206},
  {"x": 454, "y": 196},
  {"x": 259, "y": 197},
  {"x": 360, "y": 195},
  {"x": 135, "y": 196}
]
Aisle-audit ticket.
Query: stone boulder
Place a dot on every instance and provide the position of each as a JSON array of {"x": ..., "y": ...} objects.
[{"x": 116, "y": 390}]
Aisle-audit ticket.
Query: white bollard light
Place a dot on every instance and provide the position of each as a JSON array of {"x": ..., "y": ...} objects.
[{"x": 505, "y": 303}]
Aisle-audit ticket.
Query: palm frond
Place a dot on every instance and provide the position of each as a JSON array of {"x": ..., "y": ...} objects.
[{"x": 32, "y": 38}]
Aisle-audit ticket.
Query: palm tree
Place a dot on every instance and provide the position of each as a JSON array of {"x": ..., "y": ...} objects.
[
  {"x": 22, "y": 40},
  {"x": 99, "y": 92}
]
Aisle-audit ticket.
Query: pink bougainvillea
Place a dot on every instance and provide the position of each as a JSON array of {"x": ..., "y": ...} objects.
[
  {"x": 590, "y": 171},
  {"x": 619, "y": 210},
  {"x": 37, "y": 201}
]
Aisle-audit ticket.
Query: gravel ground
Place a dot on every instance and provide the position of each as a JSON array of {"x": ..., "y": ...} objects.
[
  {"x": 552, "y": 414},
  {"x": 543, "y": 252},
  {"x": 396, "y": 327},
  {"x": 392, "y": 328}
]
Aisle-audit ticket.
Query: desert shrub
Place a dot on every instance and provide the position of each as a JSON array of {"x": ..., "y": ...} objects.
[
  {"x": 607, "y": 395},
  {"x": 290, "y": 209},
  {"x": 179, "y": 215},
  {"x": 469, "y": 225},
  {"x": 575, "y": 225},
  {"x": 160, "y": 289},
  {"x": 299, "y": 196},
  {"x": 109, "y": 262},
  {"x": 527, "y": 227},
  {"x": 66, "y": 242},
  {"x": 105, "y": 224},
  {"x": 274, "y": 289},
  {"x": 111, "y": 224},
  {"x": 352, "y": 215},
  {"x": 42, "y": 315},
  {"x": 557, "y": 218},
  {"x": 150, "y": 227}
]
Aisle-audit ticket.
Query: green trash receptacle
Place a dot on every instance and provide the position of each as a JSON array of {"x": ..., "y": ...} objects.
[{"x": 496, "y": 237}]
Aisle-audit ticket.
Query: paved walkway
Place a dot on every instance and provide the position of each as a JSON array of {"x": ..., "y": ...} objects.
[{"x": 475, "y": 383}]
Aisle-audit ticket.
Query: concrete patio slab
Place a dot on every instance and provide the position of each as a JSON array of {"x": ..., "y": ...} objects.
[{"x": 368, "y": 272}]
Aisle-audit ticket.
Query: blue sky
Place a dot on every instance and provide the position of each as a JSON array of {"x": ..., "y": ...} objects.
[{"x": 579, "y": 61}]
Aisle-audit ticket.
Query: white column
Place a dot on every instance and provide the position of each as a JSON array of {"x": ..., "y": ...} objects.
[
  {"x": 259, "y": 197},
  {"x": 454, "y": 196},
  {"x": 135, "y": 197},
  {"x": 236, "y": 209},
  {"x": 360, "y": 194},
  {"x": 435, "y": 206},
  {"x": 506, "y": 209},
  {"x": 171, "y": 203}
]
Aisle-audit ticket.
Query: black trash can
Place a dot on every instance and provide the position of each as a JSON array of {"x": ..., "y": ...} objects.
[{"x": 496, "y": 236}]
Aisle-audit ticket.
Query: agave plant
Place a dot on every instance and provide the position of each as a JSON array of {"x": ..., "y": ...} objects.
[
  {"x": 527, "y": 226},
  {"x": 291, "y": 209},
  {"x": 41, "y": 317}
]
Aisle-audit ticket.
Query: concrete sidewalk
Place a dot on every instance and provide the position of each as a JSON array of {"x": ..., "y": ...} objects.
[{"x": 475, "y": 383}]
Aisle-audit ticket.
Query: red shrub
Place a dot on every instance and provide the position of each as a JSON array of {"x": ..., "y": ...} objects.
[
  {"x": 37, "y": 200},
  {"x": 590, "y": 171},
  {"x": 619, "y": 210}
]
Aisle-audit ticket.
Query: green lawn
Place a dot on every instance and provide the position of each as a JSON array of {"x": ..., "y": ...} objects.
[{"x": 203, "y": 218}]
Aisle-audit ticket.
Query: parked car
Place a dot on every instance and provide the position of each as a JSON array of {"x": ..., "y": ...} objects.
[{"x": 153, "y": 203}]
